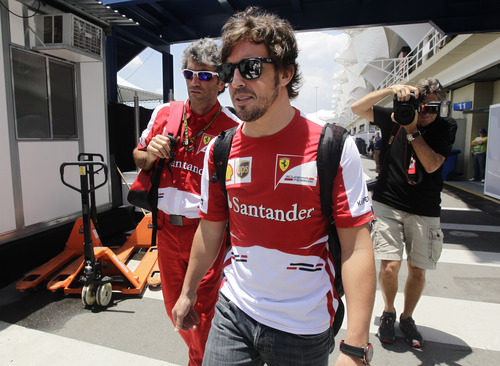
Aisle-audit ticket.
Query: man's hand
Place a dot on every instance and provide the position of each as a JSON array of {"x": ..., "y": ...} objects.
[
  {"x": 364, "y": 106},
  {"x": 410, "y": 128},
  {"x": 403, "y": 91},
  {"x": 183, "y": 314},
  {"x": 159, "y": 147}
]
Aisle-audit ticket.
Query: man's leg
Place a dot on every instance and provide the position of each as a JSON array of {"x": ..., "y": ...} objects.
[
  {"x": 413, "y": 291},
  {"x": 230, "y": 341},
  {"x": 388, "y": 278},
  {"x": 174, "y": 247},
  {"x": 477, "y": 173},
  {"x": 236, "y": 339},
  {"x": 424, "y": 244},
  {"x": 280, "y": 348},
  {"x": 388, "y": 238},
  {"x": 414, "y": 287},
  {"x": 482, "y": 165}
]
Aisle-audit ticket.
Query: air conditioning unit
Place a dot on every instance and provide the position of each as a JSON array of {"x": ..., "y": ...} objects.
[{"x": 69, "y": 37}]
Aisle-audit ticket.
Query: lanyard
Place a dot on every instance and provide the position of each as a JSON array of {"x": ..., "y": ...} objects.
[{"x": 190, "y": 141}]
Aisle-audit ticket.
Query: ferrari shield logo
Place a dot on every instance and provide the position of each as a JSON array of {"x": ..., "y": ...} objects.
[
  {"x": 206, "y": 139},
  {"x": 284, "y": 163}
]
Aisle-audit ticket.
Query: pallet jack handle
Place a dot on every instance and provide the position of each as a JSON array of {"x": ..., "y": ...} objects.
[
  {"x": 91, "y": 271},
  {"x": 85, "y": 169},
  {"x": 93, "y": 205},
  {"x": 90, "y": 157}
]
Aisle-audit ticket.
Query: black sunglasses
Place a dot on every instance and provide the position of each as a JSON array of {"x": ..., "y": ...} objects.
[
  {"x": 202, "y": 75},
  {"x": 250, "y": 68}
]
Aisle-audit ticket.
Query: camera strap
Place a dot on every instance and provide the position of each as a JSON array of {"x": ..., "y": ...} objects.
[{"x": 394, "y": 134}]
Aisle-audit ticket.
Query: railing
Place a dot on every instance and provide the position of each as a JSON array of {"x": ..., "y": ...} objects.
[{"x": 399, "y": 69}]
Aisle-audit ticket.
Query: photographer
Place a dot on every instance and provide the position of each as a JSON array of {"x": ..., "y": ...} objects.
[{"x": 407, "y": 196}]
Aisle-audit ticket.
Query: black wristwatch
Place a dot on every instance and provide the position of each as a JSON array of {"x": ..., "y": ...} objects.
[
  {"x": 413, "y": 136},
  {"x": 365, "y": 353}
]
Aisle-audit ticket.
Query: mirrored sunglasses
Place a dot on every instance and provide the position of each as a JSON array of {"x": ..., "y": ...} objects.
[
  {"x": 249, "y": 68},
  {"x": 430, "y": 108},
  {"x": 202, "y": 75}
]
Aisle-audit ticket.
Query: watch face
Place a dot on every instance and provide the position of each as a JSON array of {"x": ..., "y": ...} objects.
[{"x": 369, "y": 352}]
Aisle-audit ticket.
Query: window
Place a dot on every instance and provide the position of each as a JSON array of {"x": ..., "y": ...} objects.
[
  {"x": 44, "y": 93},
  {"x": 361, "y": 128}
]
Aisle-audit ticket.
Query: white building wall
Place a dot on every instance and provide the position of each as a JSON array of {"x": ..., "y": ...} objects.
[
  {"x": 471, "y": 64},
  {"x": 7, "y": 218},
  {"x": 44, "y": 197},
  {"x": 16, "y": 23},
  {"x": 95, "y": 132}
]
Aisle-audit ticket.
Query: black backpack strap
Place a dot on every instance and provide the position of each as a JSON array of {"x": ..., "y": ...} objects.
[
  {"x": 330, "y": 146},
  {"x": 222, "y": 148},
  {"x": 155, "y": 184},
  {"x": 172, "y": 128}
]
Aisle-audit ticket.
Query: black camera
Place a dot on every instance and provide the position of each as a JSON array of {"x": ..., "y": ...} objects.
[{"x": 404, "y": 111}]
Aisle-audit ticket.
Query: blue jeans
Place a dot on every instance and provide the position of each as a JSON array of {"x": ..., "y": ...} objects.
[
  {"x": 479, "y": 165},
  {"x": 237, "y": 339}
]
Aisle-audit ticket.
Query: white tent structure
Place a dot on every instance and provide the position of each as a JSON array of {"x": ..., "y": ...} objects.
[{"x": 128, "y": 91}]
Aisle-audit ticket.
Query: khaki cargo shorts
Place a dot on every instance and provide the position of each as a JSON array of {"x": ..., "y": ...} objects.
[{"x": 420, "y": 236}]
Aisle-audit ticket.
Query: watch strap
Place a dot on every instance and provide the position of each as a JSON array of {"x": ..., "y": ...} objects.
[
  {"x": 413, "y": 136},
  {"x": 358, "y": 352}
]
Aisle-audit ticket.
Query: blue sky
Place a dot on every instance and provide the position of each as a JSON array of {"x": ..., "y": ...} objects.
[{"x": 317, "y": 51}]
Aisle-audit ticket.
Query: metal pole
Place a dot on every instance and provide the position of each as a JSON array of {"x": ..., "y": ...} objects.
[{"x": 136, "y": 117}]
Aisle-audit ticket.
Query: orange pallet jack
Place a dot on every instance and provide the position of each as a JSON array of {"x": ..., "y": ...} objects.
[
  {"x": 115, "y": 263},
  {"x": 102, "y": 270},
  {"x": 73, "y": 248},
  {"x": 154, "y": 277},
  {"x": 96, "y": 271}
]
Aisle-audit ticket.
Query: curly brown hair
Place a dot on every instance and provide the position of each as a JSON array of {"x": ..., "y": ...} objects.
[
  {"x": 431, "y": 86},
  {"x": 276, "y": 34}
]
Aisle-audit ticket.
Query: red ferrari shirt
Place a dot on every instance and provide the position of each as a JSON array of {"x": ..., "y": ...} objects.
[
  {"x": 280, "y": 272},
  {"x": 179, "y": 191}
]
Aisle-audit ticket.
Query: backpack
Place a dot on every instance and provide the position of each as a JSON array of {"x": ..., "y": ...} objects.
[{"x": 330, "y": 148}]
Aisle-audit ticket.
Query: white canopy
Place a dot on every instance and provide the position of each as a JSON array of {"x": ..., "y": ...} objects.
[{"x": 127, "y": 91}]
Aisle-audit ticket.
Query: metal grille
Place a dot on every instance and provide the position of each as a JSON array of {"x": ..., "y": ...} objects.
[{"x": 87, "y": 36}]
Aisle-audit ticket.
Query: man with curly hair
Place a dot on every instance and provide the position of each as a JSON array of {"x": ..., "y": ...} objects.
[{"x": 278, "y": 298}]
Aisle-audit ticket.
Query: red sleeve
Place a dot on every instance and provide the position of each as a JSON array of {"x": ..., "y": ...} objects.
[{"x": 155, "y": 126}]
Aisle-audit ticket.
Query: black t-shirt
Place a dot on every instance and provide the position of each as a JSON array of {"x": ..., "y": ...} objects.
[{"x": 393, "y": 187}]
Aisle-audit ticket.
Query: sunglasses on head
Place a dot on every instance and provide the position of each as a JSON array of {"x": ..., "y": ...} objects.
[
  {"x": 202, "y": 75},
  {"x": 250, "y": 68}
]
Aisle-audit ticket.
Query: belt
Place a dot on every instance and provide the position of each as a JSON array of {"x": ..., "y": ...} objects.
[{"x": 179, "y": 220}]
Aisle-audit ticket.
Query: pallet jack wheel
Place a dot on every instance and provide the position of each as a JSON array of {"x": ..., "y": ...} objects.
[
  {"x": 88, "y": 295},
  {"x": 103, "y": 294}
]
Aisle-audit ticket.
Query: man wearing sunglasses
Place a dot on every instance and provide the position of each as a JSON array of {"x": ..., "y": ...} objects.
[
  {"x": 407, "y": 196},
  {"x": 203, "y": 118},
  {"x": 278, "y": 299}
]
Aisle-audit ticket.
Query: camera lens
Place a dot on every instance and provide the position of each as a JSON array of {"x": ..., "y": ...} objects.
[{"x": 404, "y": 111}]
